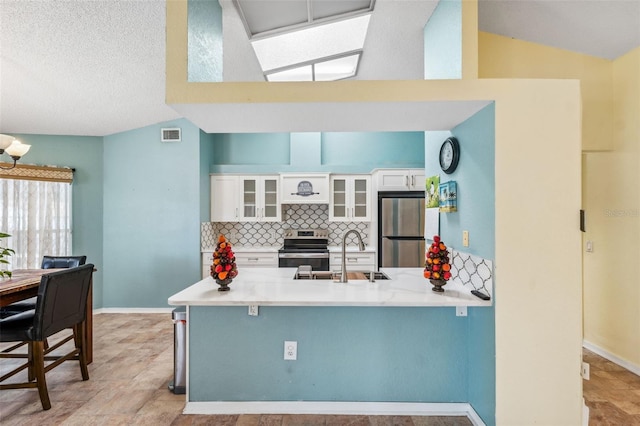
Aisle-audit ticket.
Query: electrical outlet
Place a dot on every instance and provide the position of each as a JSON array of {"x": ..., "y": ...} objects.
[
  {"x": 461, "y": 311},
  {"x": 465, "y": 238},
  {"x": 585, "y": 370},
  {"x": 253, "y": 310},
  {"x": 290, "y": 350}
]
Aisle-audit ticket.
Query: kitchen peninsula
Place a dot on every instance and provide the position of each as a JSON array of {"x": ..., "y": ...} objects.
[
  {"x": 369, "y": 347},
  {"x": 277, "y": 287}
]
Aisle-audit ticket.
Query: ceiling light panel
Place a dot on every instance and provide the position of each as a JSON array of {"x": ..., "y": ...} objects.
[
  {"x": 337, "y": 69},
  {"x": 321, "y": 9},
  {"x": 304, "y": 73},
  {"x": 309, "y": 44},
  {"x": 262, "y": 16}
]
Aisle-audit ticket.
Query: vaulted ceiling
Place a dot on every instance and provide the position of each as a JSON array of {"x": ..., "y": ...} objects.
[{"x": 98, "y": 68}]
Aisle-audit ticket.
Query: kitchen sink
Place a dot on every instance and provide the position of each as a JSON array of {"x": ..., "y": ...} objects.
[
  {"x": 313, "y": 275},
  {"x": 329, "y": 275}
]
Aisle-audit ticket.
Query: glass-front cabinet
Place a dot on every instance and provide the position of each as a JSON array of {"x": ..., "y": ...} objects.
[
  {"x": 350, "y": 198},
  {"x": 259, "y": 198}
]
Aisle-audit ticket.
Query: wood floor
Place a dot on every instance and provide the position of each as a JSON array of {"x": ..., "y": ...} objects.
[
  {"x": 612, "y": 393},
  {"x": 133, "y": 363}
]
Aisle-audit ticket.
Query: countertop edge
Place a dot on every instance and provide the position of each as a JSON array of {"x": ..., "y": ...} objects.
[{"x": 276, "y": 287}]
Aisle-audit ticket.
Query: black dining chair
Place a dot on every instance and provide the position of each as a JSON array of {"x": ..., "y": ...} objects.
[
  {"x": 61, "y": 303},
  {"x": 48, "y": 262}
]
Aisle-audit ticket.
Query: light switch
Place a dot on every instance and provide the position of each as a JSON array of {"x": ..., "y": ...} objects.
[
  {"x": 465, "y": 238},
  {"x": 589, "y": 246}
]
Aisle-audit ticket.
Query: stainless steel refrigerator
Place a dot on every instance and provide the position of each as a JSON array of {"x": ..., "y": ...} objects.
[{"x": 401, "y": 229}]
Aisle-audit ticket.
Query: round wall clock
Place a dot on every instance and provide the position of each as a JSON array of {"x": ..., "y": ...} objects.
[{"x": 449, "y": 155}]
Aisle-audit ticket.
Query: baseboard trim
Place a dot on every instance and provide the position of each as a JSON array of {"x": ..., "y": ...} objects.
[
  {"x": 611, "y": 357},
  {"x": 132, "y": 311},
  {"x": 335, "y": 408}
]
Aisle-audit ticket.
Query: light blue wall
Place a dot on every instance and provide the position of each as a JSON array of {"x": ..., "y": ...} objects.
[
  {"x": 475, "y": 184},
  {"x": 306, "y": 149},
  {"x": 373, "y": 149},
  {"x": 204, "y": 41},
  {"x": 206, "y": 154},
  {"x": 151, "y": 215},
  {"x": 338, "y": 152},
  {"x": 475, "y": 177},
  {"x": 251, "y": 149},
  {"x": 443, "y": 42},
  {"x": 344, "y": 354},
  {"x": 84, "y": 153}
]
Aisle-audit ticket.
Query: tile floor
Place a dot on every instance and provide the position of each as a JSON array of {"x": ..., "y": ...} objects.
[
  {"x": 612, "y": 393},
  {"x": 133, "y": 365}
]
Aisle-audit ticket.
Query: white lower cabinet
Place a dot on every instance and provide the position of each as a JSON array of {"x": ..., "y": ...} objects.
[
  {"x": 355, "y": 261},
  {"x": 207, "y": 260},
  {"x": 256, "y": 259},
  {"x": 244, "y": 259}
]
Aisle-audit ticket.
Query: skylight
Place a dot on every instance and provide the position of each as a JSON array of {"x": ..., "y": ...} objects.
[{"x": 324, "y": 52}]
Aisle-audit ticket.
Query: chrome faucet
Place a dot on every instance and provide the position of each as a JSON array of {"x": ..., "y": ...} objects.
[{"x": 343, "y": 274}]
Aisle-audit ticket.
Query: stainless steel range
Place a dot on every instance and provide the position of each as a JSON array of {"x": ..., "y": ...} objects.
[{"x": 305, "y": 247}]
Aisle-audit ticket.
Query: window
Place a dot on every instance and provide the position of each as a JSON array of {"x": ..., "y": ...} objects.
[
  {"x": 37, "y": 215},
  {"x": 307, "y": 40}
]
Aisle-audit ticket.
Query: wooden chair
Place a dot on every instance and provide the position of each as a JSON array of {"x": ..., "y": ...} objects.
[
  {"x": 61, "y": 303},
  {"x": 48, "y": 262}
]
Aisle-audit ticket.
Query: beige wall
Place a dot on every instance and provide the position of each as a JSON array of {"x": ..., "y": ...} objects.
[
  {"x": 611, "y": 199},
  {"x": 538, "y": 293},
  {"x": 610, "y": 184},
  {"x": 504, "y": 57},
  {"x": 470, "y": 39}
]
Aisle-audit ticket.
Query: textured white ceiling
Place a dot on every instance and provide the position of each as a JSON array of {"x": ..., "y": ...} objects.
[
  {"x": 97, "y": 67},
  {"x": 603, "y": 28},
  {"x": 82, "y": 67}
]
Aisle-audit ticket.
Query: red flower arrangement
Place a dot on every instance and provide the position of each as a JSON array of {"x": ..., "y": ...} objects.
[
  {"x": 224, "y": 267},
  {"x": 437, "y": 266}
]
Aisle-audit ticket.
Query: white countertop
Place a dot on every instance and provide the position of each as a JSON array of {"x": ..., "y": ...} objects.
[
  {"x": 276, "y": 287},
  {"x": 252, "y": 249}
]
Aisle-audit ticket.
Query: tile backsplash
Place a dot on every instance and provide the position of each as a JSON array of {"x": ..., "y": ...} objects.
[
  {"x": 294, "y": 216},
  {"x": 472, "y": 271}
]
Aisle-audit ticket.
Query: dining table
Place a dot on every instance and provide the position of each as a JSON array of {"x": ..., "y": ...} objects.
[{"x": 23, "y": 284}]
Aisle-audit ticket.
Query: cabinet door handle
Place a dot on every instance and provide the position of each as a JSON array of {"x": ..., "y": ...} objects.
[
  {"x": 406, "y": 181},
  {"x": 236, "y": 212},
  {"x": 413, "y": 180}
]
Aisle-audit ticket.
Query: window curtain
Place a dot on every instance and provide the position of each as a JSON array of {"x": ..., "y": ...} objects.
[{"x": 36, "y": 211}]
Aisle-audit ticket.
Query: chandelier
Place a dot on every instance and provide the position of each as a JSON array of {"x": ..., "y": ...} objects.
[{"x": 13, "y": 147}]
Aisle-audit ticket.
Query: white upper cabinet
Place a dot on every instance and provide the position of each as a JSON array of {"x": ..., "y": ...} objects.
[
  {"x": 224, "y": 198},
  {"x": 245, "y": 198},
  {"x": 350, "y": 198},
  {"x": 400, "y": 179},
  {"x": 259, "y": 198}
]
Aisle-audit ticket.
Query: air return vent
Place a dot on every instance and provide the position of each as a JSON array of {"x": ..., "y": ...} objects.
[{"x": 171, "y": 135}]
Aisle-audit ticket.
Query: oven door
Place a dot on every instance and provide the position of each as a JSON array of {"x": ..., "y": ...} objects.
[{"x": 317, "y": 261}]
